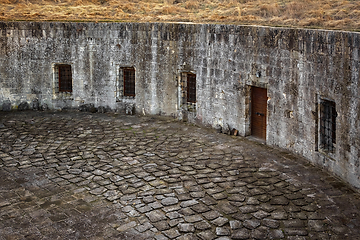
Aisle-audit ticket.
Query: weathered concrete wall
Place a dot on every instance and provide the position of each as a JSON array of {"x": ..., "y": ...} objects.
[{"x": 297, "y": 66}]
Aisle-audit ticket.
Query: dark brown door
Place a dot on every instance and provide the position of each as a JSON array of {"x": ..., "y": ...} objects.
[{"x": 258, "y": 112}]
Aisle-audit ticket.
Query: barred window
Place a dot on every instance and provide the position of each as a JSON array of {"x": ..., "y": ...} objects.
[
  {"x": 65, "y": 78},
  {"x": 327, "y": 125},
  {"x": 191, "y": 88},
  {"x": 129, "y": 81}
]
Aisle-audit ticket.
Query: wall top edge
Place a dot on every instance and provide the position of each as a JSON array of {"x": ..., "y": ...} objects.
[
  {"x": 147, "y": 26},
  {"x": 30, "y": 25}
]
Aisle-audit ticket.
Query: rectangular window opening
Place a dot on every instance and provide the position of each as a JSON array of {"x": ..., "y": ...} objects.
[
  {"x": 129, "y": 81},
  {"x": 327, "y": 125},
  {"x": 191, "y": 88},
  {"x": 65, "y": 78}
]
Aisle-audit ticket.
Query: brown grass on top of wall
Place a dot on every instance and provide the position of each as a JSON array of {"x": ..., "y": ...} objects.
[{"x": 328, "y": 14}]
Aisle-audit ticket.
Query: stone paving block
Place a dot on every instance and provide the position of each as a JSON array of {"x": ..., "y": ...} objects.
[
  {"x": 186, "y": 227},
  {"x": 186, "y": 211},
  {"x": 260, "y": 233},
  {"x": 281, "y": 200},
  {"x": 171, "y": 208},
  {"x": 173, "y": 215},
  {"x": 148, "y": 199},
  {"x": 276, "y": 234},
  {"x": 161, "y": 225},
  {"x": 127, "y": 209},
  {"x": 241, "y": 234},
  {"x": 172, "y": 233},
  {"x": 271, "y": 223},
  {"x": 133, "y": 213},
  {"x": 221, "y": 231},
  {"x": 160, "y": 237},
  {"x": 193, "y": 218},
  {"x": 208, "y": 200},
  {"x": 144, "y": 209},
  {"x": 253, "y": 201},
  {"x": 310, "y": 208},
  {"x": 169, "y": 201},
  {"x": 212, "y": 191},
  {"x": 236, "y": 198},
  {"x": 155, "y": 205},
  {"x": 227, "y": 208},
  {"x": 212, "y": 215},
  {"x": 206, "y": 235},
  {"x": 202, "y": 225},
  {"x": 143, "y": 227},
  {"x": 248, "y": 209},
  {"x": 251, "y": 224},
  {"x": 197, "y": 194},
  {"x": 184, "y": 197},
  {"x": 293, "y": 223},
  {"x": 267, "y": 207},
  {"x": 260, "y": 214},
  {"x": 220, "y": 221},
  {"x": 99, "y": 172},
  {"x": 295, "y": 231},
  {"x": 189, "y": 203},
  {"x": 170, "y": 195},
  {"x": 234, "y": 224},
  {"x": 156, "y": 216},
  {"x": 279, "y": 215},
  {"x": 187, "y": 236},
  {"x": 175, "y": 222},
  {"x": 200, "y": 208}
]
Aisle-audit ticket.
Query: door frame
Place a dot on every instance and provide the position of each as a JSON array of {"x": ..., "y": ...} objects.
[
  {"x": 261, "y": 110},
  {"x": 248, "y": 107}
]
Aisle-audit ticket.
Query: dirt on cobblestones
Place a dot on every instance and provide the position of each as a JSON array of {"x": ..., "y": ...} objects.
[{"x": 72, "y": 175}]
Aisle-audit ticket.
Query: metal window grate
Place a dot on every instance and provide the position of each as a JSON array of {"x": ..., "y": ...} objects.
[
  {"x": 65, "y": 78},
  {"x": 191, "y": 88},
  {"x": 327, "y": 125},
  {"x": 129, "y": 82}
]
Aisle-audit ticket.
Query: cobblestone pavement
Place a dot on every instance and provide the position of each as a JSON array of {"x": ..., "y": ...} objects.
[{"x": 105, "y": 176}]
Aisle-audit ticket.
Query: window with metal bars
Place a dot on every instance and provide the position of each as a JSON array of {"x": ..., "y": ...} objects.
[
  {"x": 129, "y": 81},
  {"x": 327, "y": 125},
  {"x": 65, "y": 78},
  {"x": 191, "y": 88}
]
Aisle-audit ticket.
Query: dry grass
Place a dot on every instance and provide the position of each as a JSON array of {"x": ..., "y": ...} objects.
[{"x": 329, "y": 14}]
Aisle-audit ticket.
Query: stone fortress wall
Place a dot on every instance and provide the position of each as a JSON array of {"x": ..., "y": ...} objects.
[{"x": 310, "y": 77}]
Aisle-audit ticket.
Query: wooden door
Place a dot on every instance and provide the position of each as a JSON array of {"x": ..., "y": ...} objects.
[{"x": 258, "y": 112}]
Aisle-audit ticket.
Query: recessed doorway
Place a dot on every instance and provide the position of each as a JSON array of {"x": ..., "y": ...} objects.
[{"x": 258, "y": 112}]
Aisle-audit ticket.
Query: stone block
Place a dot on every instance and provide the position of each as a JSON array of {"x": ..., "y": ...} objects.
[
  {"x": 35, "y": 104},
  {"x": 130, "y": 109},
  {"x": 89, "y": 107},
  {"x": 6, "y": 106},
  {"x": 23, "y": 106},
  {"x": 44, "y": 107}
]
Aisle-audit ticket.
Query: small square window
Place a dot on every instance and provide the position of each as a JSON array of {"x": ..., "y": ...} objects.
[
  {"x": 191, "y": 88},
  {"x": 129, "y": 81},
  {"x": 327, "y": 125},
  {"x": 65, "y": 78}
]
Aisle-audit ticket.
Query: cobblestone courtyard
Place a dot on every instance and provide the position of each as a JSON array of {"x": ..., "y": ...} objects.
[{"x": 104, "y": 176}]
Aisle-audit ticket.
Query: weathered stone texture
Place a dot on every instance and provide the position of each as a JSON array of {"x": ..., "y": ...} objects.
[{"x": 297, "y": 66}]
